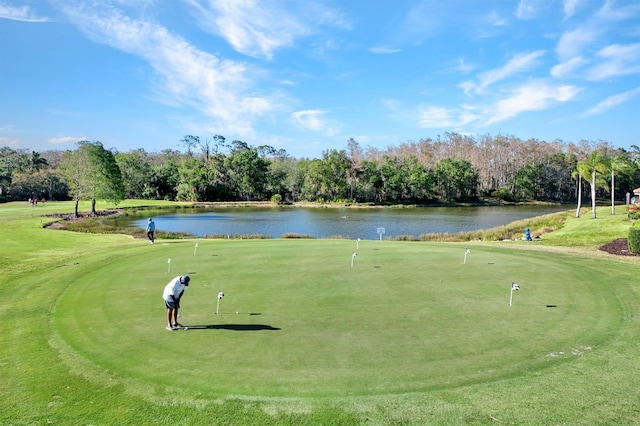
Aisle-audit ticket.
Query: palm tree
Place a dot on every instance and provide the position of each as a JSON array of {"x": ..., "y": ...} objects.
[
  {"x": 37, "y": 162},
  {"x": 594, "y": 164},
  {"x": 576, "y": 175},
  {"x": 618, "y": 164}
]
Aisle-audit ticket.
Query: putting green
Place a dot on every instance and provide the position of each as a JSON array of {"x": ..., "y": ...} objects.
[{"x": 406, "y": 317}]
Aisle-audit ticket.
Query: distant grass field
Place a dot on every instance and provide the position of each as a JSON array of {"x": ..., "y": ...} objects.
[{"x": 411, "y": 334}]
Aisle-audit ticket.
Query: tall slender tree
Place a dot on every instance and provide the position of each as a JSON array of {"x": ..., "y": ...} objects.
[
  {"x": 576, "y": 175},
  {"x": 595, "y": 164},
  {"x": 619, "y": 164}
]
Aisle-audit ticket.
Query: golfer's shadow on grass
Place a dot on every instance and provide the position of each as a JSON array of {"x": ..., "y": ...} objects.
[{"x": 234, "y": 327}]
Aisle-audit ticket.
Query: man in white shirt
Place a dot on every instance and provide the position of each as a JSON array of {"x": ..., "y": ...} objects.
[{"x": 171, "y": 295}]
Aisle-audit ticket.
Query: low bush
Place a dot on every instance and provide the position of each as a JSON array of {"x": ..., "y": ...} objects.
[
  {"x": 404, "y": 238},
  {"x": 633, "y": 239},
  {"x": 295, "y": 235}
]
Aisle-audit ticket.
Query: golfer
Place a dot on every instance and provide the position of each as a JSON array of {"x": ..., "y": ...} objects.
[
  {"x": 171, "y": 295},
  {"x": 151, "y": 228}
]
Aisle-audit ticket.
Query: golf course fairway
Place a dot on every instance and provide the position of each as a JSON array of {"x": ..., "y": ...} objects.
[{"x": 331, "y": 332}]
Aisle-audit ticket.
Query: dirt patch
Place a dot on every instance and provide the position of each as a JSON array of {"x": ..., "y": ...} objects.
[{"x": 619, "y": 247}]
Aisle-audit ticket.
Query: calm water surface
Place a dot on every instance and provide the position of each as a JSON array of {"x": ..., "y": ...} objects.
[{"x": 362, "y": 223}]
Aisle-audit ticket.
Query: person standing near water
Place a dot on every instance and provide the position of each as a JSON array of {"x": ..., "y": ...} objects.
[{"x": 151, "y": 228}]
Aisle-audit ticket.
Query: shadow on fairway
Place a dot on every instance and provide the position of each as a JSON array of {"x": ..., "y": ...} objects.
[{"x": 234, "y": 327}]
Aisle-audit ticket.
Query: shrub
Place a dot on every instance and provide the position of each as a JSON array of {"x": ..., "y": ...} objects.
[
  {"x": 295, "y": 235},
  {"x": 276, "y": 198},
  {"x": 633, "y": 240},
  {"x": 503, "y": 194},
  {"x": 404, "y": 238}
]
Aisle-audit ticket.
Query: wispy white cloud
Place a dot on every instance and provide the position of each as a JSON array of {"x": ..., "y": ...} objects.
[
  {"x": 570, "y": 7},
  {"x": 422, "y": 20},
  {"x": 258, "y": 28},
  {"x": 612, "y": 101},
  {"x": 519, "y": 63},
  {"x": 431, "y": 116},
  {"x": 64, "y": 140},
  {"x": 309, "y": 119},
  {"x": 616, "y": 60},
  {"x": 20, "y": 13},
  {"x": 572, "y": 43},
  {"x": 437, "y": 117},
  {"x": 584, "y": 43},
  {"x": 532, "y": 96},
  {"x": 610, "y": 11},
  {"x": 528, "y": 9},
  {"x": 314, "y": 120},
  {"x": 490, "y": 25},
  {"x": 251, "y": 27},
  {"x": 494, "y": 19},
  {"x": 565, "y": 69},
  {"x": 383, "y": 50},
  {"x": 464, "y": 67},
  {"x": 185, "y": 74}
]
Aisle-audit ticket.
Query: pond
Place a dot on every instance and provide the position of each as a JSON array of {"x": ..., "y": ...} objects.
[{"x": 364, "y": 223}]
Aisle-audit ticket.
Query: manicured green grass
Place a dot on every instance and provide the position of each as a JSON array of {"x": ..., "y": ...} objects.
[
  {"x": 333, "y": 328},
  {"x": 409, "y": 335}
]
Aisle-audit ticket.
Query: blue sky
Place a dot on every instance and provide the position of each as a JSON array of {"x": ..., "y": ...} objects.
[{"x": 306, "y": 76}]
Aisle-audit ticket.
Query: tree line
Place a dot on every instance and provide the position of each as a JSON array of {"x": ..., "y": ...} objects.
[{"x": 450, "y": 169}]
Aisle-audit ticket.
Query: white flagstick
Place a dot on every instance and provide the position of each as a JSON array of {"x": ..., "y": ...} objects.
[
  {"x": 515, "y": 287},
  {"x": 352, "y": 257},
  {"x": 465, "y": 255},
  {"x": 220, "y": 296},
  {"x": 169, "y": 266},
  {"x": 194, "y": 250}
]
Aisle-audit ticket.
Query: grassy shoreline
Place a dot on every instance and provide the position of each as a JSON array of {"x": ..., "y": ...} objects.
[{"x": 101, "y": 224}]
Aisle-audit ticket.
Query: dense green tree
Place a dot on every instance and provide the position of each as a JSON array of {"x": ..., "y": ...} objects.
[
  {"x": 247, "y": 171},
  {"x": 137, "y": 174},
  {"x": 166, "y": 178},
  {"x": 284, "y": 177},
  {"x": 403, "y": 179},
  {"x": 451, "y": 168},
  {"x": 456, "y": 180},
  {"x": 11, "y": 161},
  {"x": 190, "y": 181},
  {"x": 421, "y": 181},
  {"x": 395, "y": 176},
  {"x": 536, "y": 182},
  {"x": 371, "y": 181},
  {"x": 32, "y": 184},
  {"x": 91, "y": 172},
  {"x": 313, "y": 180},
  {"x": 334, "y": 170}
]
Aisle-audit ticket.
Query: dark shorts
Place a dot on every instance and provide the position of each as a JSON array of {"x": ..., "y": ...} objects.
[{"x": 170, "y": 304}]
